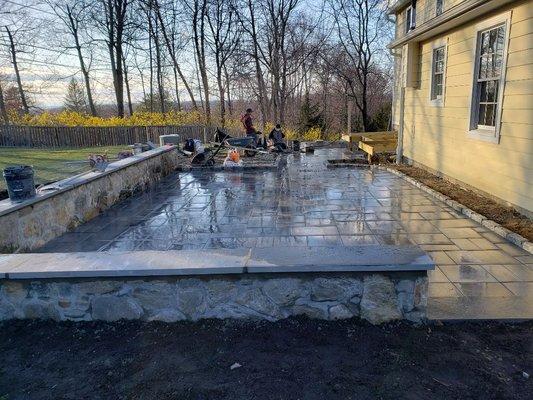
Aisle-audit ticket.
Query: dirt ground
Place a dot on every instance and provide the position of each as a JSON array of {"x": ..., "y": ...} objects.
[
  {"x": 289, "y": 359},
  {"x": 506, "y": 216}
]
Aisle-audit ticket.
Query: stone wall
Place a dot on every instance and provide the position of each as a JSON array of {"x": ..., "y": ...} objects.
[
  {"x": 31, "y": 224},
  {"x": 376, "y": 297}
]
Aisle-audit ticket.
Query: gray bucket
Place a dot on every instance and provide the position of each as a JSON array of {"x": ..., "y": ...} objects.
[{"x": 19, "y": 182}]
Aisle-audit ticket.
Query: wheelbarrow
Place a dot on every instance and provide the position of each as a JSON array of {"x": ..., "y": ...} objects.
[
  {"x": 207, "y": 158},
  {"x": 246, "y": 143}
]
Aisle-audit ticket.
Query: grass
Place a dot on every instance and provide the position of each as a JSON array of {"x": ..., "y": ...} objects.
[{"x": 51, "y": 165}]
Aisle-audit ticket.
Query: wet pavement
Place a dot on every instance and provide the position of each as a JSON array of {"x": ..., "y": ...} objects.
[{"x": 479, "y": 274}]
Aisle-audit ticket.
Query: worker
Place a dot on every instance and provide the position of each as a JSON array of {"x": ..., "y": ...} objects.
[
  {"x": 247, "y": 122},
  {"x": 277, "y": 136}
]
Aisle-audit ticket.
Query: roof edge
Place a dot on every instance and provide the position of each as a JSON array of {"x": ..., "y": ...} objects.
[{"x": 397, "y": 6}]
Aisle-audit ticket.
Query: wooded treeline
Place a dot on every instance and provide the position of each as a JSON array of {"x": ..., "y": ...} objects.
[{"x": 302, "y": 63}]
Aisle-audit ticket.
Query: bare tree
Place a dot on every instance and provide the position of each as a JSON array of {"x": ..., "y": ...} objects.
[
  {"x": 225, "y": 37},
  {"x": 173, "y": 41},
  {"x": 74, "y": 14},
  {"x": 359, "y": 24},
  {"x": 284, "y": 57},
  {"x": 159, "y": 64},
  {"x": 112, "y": 17},
  {"x": 249, "y": 24},
  {"x": 199, "y": 11},
  {"x": 13, "y": 51}
]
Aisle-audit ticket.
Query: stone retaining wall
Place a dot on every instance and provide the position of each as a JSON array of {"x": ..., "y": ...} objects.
[
  {"x": 376, "y": 297},
  {"x": 71, "y": 202}
]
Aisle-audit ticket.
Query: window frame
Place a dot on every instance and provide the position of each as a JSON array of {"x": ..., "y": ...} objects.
[
  {"x": 437, "y": 45},
  {"x": 411, "y": 21},
  {"x": 483, "y": 132},
  {"x": 437, "y": 8},
  {"x": 408, "y": 19}
]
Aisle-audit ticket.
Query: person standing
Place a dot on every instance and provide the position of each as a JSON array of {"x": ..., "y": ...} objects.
[{"x": 248, "y": 123}]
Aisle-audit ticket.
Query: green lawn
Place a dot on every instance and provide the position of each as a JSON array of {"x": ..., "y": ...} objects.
[{"x": 51, "y": 164}]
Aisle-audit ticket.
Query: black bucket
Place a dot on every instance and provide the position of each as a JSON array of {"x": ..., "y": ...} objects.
[
  {"x": 295, "y": 145},
  {"x": 19, "y": 181}
]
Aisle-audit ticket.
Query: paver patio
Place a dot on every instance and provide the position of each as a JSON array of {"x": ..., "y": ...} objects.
[{"x": 478, "y": 274}]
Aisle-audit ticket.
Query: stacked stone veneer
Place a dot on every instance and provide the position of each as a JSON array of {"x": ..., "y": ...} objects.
[
  {"x": 43, "y": 219},
  {"x": 375, "y": 297}
]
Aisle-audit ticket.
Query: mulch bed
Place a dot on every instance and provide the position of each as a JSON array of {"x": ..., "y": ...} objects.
[
  {"x": 505, "y": 216},
  {"x": 295, "y": 358}
]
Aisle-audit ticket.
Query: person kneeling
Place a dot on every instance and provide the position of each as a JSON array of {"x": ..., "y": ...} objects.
[{"x": 277, "y": 136}]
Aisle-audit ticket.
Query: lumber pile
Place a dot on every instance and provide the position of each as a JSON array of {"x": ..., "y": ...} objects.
[{"x": 374, "y": 143}]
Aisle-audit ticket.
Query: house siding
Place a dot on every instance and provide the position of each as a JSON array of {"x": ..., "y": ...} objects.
[{"x": 437, "y": 137}]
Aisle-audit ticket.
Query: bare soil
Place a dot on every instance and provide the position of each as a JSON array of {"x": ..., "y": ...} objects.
[
  {"x": 505, "y": 216},
  {"x": 295, "y": 358}
]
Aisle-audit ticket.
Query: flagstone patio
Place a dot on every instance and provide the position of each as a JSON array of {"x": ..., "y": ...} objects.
[{"x": 305, "y": 204}]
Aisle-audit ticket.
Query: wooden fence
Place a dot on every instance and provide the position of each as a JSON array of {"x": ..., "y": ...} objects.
[{"x": 51, "y": 136}]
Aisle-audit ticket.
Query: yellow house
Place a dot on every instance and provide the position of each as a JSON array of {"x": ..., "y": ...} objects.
[{"x": 463, "y": 94}]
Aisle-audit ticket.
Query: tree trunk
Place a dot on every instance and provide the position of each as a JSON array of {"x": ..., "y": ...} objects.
[
  {"x": 151, "y": 59},
  {"x": 115, "y": 26},
  {"x": 199, "y": 41},
  {"x": 3, "y": 110},
  {"x": 197, "y": 71},
  {"x": 222, "y": 98},
  {"x": 17, "y": 72},
  {"x": 160, "y": 86},
  {"x": 126, "y": 81},
  {"x": 84, "y": 71},
  {"x": 364, "y": 100},
  {"x": 228, "y": 92},
  {"x": 117, "y": 80},
  {"x": 176, "y": 88},
  {"x": 258, "y": 71}
]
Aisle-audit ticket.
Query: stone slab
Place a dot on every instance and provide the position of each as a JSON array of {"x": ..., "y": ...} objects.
[
  {"x": 365, "y": 258},
  {"x": 371, "y": 258},
  {"x": 124, "y": 264},
  {"x": 8, "y": 262}
]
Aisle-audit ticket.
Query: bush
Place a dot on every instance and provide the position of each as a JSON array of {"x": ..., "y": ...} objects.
[
  {"x": 70, "y": 118},
  {"x": 172, "y": 118}
]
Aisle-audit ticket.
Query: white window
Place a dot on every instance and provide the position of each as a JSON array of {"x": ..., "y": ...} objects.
[
  {"x": 489, "y": 78},
  {"x": 438, "y": 70}
]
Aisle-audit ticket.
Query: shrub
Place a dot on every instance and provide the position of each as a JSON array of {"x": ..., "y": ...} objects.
[{"x": 140, "y": 118}]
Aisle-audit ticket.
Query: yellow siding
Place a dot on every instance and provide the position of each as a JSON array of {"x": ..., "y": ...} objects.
[{"x": 437, "y": 137}]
